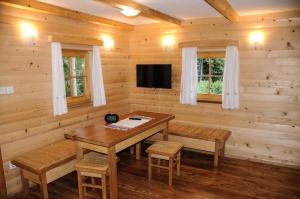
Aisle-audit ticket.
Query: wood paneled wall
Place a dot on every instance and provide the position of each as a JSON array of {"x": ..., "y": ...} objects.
[
  {"x": 26, "y": 119},
  {"x": 267, "y": 126}
]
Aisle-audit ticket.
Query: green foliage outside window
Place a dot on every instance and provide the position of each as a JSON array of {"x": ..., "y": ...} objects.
[
  {"x": 78, "y": 77},
  {"x": 210, "y": 75}
]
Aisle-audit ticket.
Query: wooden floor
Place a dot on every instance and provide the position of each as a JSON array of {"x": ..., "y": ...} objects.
[{"x": 234, "y": 179}]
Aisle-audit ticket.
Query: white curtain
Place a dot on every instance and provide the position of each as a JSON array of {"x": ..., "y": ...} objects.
[
  {"x": 231, "y": 79},
  {"x": 189, "y": 76},
  {"x": 97, "y": 78},
  {"x": 58, "y": 81}
]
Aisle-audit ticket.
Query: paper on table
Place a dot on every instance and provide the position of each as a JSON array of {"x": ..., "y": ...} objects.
[{"x": 126, "y": 124}]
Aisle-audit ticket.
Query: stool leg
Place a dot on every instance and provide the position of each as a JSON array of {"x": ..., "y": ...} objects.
[
  {"x": 80, "y": 188},
  {"x": 149, "y": 167},
  {"x": 178, "y": 163},
  {"x": 171, "y": 171},
  {"x": 103, "y": 182}
]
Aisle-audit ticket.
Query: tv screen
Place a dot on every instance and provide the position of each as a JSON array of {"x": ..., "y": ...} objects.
[{"x": 154, "y": 75}]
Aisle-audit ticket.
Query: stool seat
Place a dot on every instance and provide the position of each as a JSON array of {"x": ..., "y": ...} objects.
[
  {"x": 93, "y": 161},
  {"x": 164, "y": 148}
]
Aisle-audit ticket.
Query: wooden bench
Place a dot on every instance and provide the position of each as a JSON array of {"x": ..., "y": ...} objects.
[
  {"x": 218, "y": 136},
  {"x": 46, "y": 164}
]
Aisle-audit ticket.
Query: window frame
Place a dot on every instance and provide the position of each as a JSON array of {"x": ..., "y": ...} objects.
[
  {"x": 207, "y": 97},
  {"x": 73, "y": 101}
]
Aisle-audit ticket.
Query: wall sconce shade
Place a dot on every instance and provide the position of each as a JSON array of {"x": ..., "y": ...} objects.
[
  {"x": 168, "y": 42},
  {"x": 108, "y": 42},
  {"x": 28, "y": 30},
  {"x": 256, "y": 39}
]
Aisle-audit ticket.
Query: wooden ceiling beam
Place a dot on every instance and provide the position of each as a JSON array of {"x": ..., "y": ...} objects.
[
  {"x": 225, "y": 9},
  {"x": 145, "y": 11},
  {"x": 63, "y": 12}
]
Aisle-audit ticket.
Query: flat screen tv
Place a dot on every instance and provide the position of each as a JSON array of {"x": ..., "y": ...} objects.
[{"x": 154, "y": 75}]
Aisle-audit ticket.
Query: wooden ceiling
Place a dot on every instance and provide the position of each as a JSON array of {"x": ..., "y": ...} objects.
[
  {"x": 222, "y": 6},
  {"x": 145, "y": 11}
]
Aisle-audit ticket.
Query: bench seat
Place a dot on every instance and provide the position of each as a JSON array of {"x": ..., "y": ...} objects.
[
  {"x": 46, "y": 164},
  {"x": 219, "y": 136}
]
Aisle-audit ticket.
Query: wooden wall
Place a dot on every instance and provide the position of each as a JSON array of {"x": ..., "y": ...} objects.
[
  {"x": 267, "y": 126},
  {"x": 26, "y": 119}
]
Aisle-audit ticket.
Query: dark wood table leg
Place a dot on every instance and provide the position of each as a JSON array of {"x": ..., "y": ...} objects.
[
  {"x": 217, "y": 152},
  {"x": 43, "y": 186},
  {"x": 113, "y": 179}
]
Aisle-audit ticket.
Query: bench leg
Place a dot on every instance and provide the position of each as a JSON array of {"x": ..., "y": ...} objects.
[
  {"x": 149, "y": 167},
  {"x": 131, "y": 151},
  {"x": 25, "y": 185},
  {"x": 217, "y": 152},
  {"x": 222, "y": 151},
  {"x": 171, "y": 160},
  {"x": 138, "y": 151},
  {"x": 43, "y": 186},
  {"x": 178, "y": 163}
]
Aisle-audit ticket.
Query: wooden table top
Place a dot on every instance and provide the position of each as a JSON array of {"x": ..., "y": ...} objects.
[
  {"x": 198, "y": 132},
  {"x": 99, "y": 135}
]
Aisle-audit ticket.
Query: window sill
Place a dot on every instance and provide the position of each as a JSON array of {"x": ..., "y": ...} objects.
[
  {"x": 76, "y": 102},
  {"x": 209, "y": 98}
]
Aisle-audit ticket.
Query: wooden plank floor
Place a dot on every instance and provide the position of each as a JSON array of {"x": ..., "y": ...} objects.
[{"x": 199, "y": 180}]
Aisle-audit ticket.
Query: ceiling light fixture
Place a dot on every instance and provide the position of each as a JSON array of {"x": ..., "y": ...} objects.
[{"x": 130, "y": 12}]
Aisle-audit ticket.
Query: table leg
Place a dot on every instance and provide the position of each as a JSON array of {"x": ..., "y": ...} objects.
[
  {"x": 138, "y": 151},
  {"x": 79, "y": 152},
  {"x": 217, "y": 152},
  {"x": 43, "y": 186},
  {"x": 113, "y": 179},
  {"x": 165, "y": 132}
]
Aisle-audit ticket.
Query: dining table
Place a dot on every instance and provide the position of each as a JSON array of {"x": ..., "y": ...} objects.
[{"x": 103, "y": 139}]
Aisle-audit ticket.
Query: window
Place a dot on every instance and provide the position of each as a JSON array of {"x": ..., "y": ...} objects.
[
  {"x": 75, "y": 64},
  {"x": 210, "y": 76}
]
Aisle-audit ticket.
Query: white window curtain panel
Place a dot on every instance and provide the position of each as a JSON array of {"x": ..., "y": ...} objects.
[
  {"x": 58, "y": 81},
  {"x": 189, "y": 76},
  {"x": 97, "y": 79},
  {"x": 231, "y": 79}
]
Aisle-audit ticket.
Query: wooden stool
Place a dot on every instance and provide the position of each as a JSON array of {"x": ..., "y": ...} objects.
[
  {"x": 93, "y": 165},
  {"x": 164, "y": 150}
]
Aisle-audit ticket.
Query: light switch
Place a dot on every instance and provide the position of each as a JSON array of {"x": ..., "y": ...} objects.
[
  {"x": 2, "y": 90},
  {"x": 10, "y": 90},
  {"x": 6, "y": 90}
]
